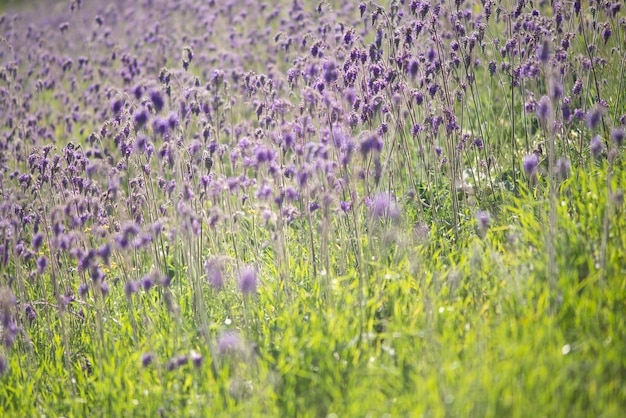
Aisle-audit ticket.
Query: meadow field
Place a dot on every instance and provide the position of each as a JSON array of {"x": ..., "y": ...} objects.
[{"x": 295, "y": 208}]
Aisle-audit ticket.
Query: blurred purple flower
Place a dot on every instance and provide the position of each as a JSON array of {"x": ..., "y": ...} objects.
[
  {"x": 594, "y": 116},
  {"x": 544, "y": 51},
  {"x": 196, "y": 359},
  {"x": 37, "y": 241},
  {"x": 617, "y": 136},
  {"x": 383, "y": 205},
  {"x": 213, "y": 267},
  {"x": 544, "y": 109},
  {"x": 147, "y": 359},
  {"x": 131, "y": 287},
  {"x": 42, "y": 263},
  {"x": 157, "y": 100},
  {"x": 248, "y": 280},
  {"x": 530, "y": 164},
  {"x": 484, "y": 220},
  {"x": 563, "y": 168},
  {"x": 140, "y": 117},
  {"x": 596, "y": 146},
  {"x": 228, "y": 342}
]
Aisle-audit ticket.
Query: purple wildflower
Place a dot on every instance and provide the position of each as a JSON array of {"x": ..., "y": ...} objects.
[
  {"x": 131, "y": 288},
  {"x": 594, "y": 116},
  {"x": 563, "y": 168},
  {"x": 383, "y": 205},
  {"x": 617, "y": 136},
  {"x": 544, "y": 51},
  {"x": 544, "y": 109},
  {"x": 228, "y": 342},
  {"x": 42, "y": 263},
  {"x": 484, "y": 220},
  {"x": 530, "y": 164},
  {"x": 140, "y": 118},
  {"x": 157, "y": 100},
  {"x": 213, "y": 267},
  {"x": 596, "y": 146},
  {"x": 248, "y": 280},
  {"x": 37, "y": 241},
  {"x": 147, "y": 359}
]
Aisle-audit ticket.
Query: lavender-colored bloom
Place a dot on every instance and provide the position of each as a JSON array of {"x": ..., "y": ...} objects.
[
  {"x": 606, "y": 32},
  {"x": 83, "y": 290},
  {"x": 556, "y": 90},
  {"x": 104, "y": 287},
  {"x": 596, "y": 146},
  {"x": 131, "y": 288},
  {"x": 196, "y": 359},
  {"x": 432, "y": 89},
  {"x": 383, "y": 205},
  {"x": 228, "y": 342},
  {"x": 530, "y": 164},
  {"x": 213, "y": 267},
  {"x": 413, "y": 68},
  {"x": 37, "y": 241},
  {"x": 104, "y": 252},
  {"x": 42, "y": 263},
  {"x": 563, "y": 167},
  {"x": 544, "y": 51},
  {"x": 594, "y": 116},
  {"x": 544, "y": 109},
  {"x": 329, "y": 71},
  {"x": 177, "y": 362},
  {"x": 147, "y": 282},
  {"x": 157, "y": 100},
  {"x": 248, "y": 280},
  {"x": 578, "y": 87},
  {"x": 116, "y": 105},
  {"x": 372, "y": 143},
  {"x": 138, "y": 91},
  {"x": 617, "y": 136},
  {"x": 484, "y": 220},
  {"x": 140, "y": 117},
  {"x": 147, "y": 359},
  {"x": 30, "y": 313}
]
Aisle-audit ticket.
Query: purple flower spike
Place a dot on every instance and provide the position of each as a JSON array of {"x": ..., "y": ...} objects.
[
  {"x": 228, "y": 342},
  {"x": 131, "y": 288},
  {"x": 544, "y": 51},
  {"x": 596, "y": 146},
  {"x": 42, "y": 263},
  {"x": 617, "y": 136},
  {"x": 147, "y": 359},
  {"x": 484, "y": 220},
  {"x": 248, "y": 280},
  {"x": 384, "y": 206},
  {"x": 196, "y": 359},
  {"x": 157, "y": 100},
  {"x": 530, "y": 164},
  {"x": 37, "y": 241},
  {"x": 563, "y": 167},
  {"x": 544, "y": 109},
  {"x": 594, "y": 116},
  {"x": 141, "y": 118},
  {"x": 214, "y": 272}
]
